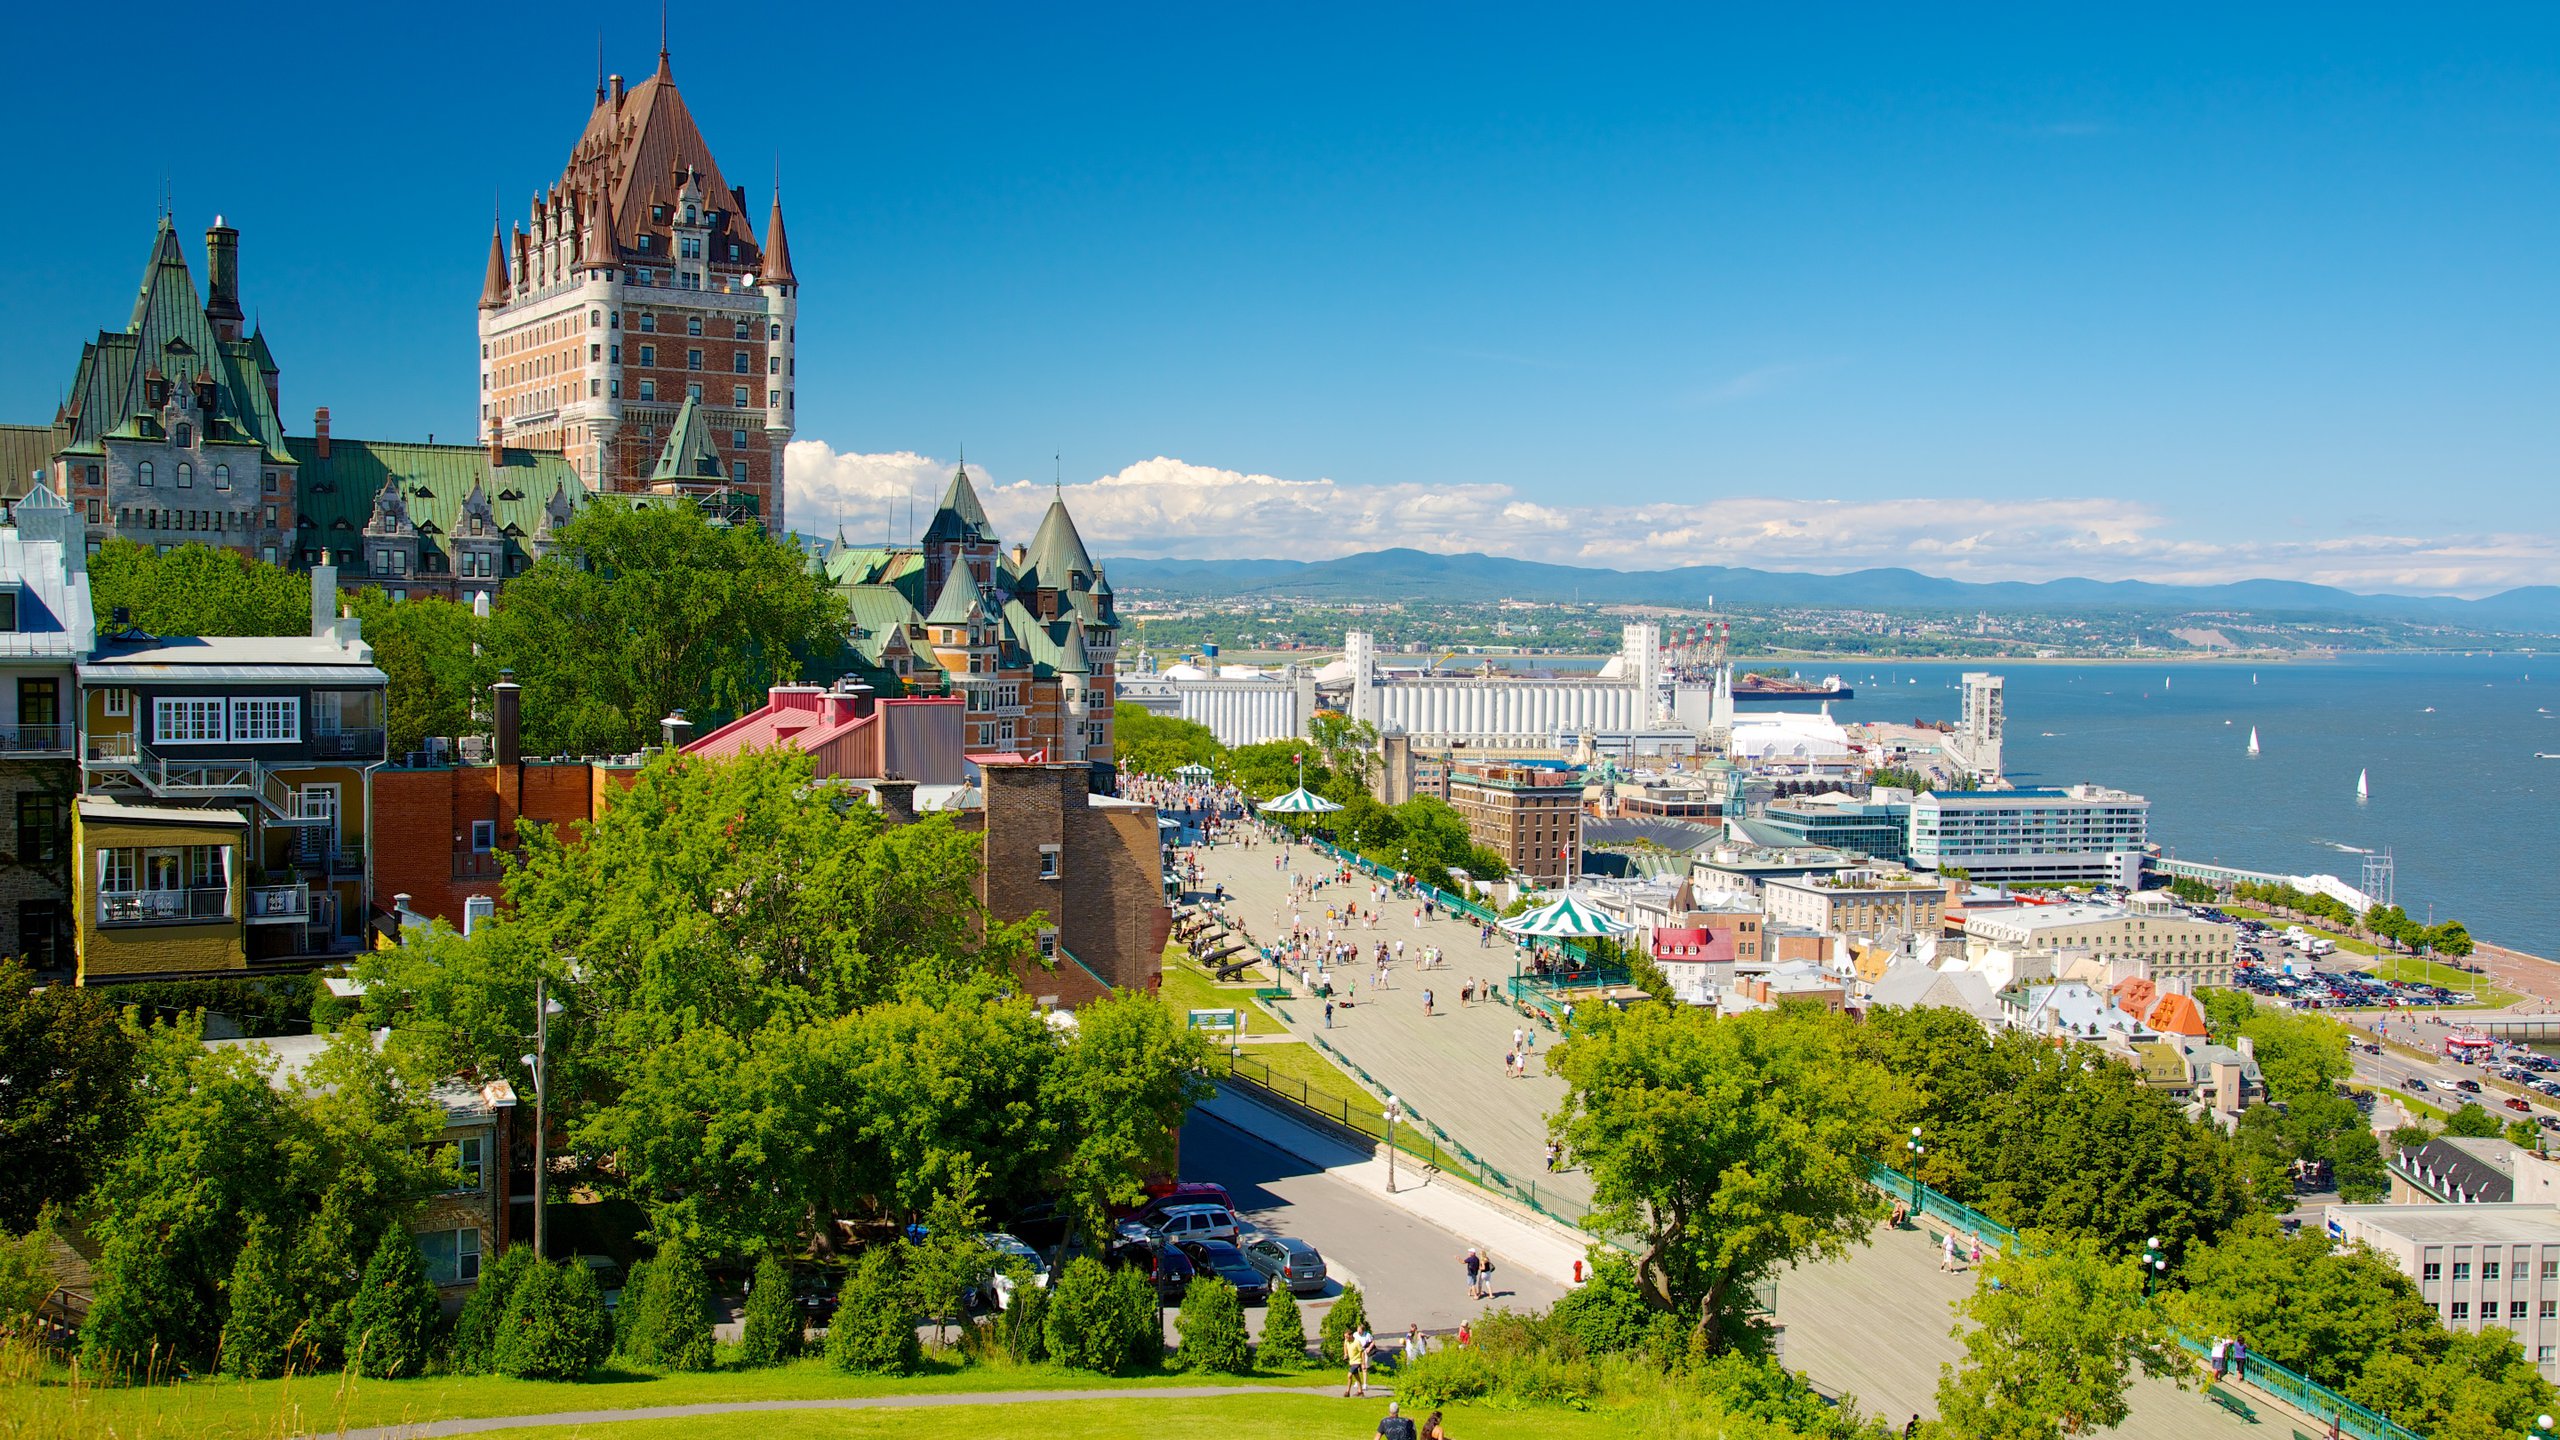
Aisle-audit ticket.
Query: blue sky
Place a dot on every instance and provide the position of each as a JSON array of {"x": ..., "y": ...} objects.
[{"x": 2174, "y": 293}]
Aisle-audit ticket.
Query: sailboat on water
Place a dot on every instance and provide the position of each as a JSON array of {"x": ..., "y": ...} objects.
[
  {"x": 2253, "y": 739},
  {"x": 2363, "y": 790}
]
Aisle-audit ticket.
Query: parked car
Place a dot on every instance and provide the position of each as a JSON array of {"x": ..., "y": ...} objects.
[
  {"x": 1293, "y": 1263},
  {"x": 1190, "y": 1222},
  {"x": 1187, "y": 1192},
  {"x": 995, "y": 1289},
  {"x": 1217, "y": 1257},
  {"x": 1169, "y": 1268}
]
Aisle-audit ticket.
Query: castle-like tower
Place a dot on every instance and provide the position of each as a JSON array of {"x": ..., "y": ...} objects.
[{"x": 635, "y": 285}]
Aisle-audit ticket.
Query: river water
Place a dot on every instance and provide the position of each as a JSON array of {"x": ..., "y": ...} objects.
[{"x": 2458, "y": 797}]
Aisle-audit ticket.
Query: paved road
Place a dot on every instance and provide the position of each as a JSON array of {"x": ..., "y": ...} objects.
[
  {"x": 1446, "y": 1066},
  {"x": 1407, "y": 1269}
]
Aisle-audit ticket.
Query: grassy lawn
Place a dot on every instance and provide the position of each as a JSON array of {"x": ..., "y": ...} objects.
[
  {"x": 2348, "y": 943},
  {"x": 1188, "y": 987},
  {"x": 1236, "y": 1417},
  {"x": 221, "y": 1409},
  {"x": 2436, "y": 972}
]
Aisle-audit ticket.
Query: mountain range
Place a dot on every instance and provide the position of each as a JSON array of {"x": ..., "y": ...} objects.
[{"x": 1385, "y": 575}]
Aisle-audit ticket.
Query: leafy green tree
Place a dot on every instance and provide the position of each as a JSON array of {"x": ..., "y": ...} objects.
[
  {"x": 197, "y": 590},
  {"x": 637, "y": 1332},
  {"x": 874, "y": 1329},
  {"x": 477, "y": 1328},
  {"x": 555, "y": 1326},
  {"x": 1284, "y": 1334},
  {"x": 2458, "y": 1384},
  {"x": 2473, "y": 1122},
  {"x": 1350, "y": 1312},
  {"x": 68, "y": 1068},
  {"x": 391, "y": 1326},
  {"x": 1088, "y": 1328},
  {"x": 1211, "y": 1324},
  {"x": 434, "y": 652},
  {"x": 2057, "y": 1333},
  {"x": 1152, "y": 744},
  {"x": 772, "y": 1329},
  {"x": 2318, "y": 1311},
  {"x": 2524, "y": 1134},
  {"x": 947, "y": 1264},
  {"x": 642, "y": 610},
  {"x": 1022, "y": 1327},
  {"x": 1728, "y": 1147},
  {"x": 1118, "y": 1092},
  {"x": 2449, "y": 938}
]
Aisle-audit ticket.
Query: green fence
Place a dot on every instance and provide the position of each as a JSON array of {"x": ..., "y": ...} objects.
[{"x": 2306, "y": 1395}]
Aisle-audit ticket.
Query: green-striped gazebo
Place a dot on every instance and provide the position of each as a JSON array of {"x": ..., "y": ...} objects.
[{"x": 1566, "y": 919}]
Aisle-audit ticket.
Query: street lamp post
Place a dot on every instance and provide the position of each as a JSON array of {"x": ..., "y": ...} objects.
[
  {"x": 2152, "y": 1264},
  {"x": 1917, "y": 1150},
  {"x": 1395, "y": 1109},
  {"x": 539, "y": 1062}
]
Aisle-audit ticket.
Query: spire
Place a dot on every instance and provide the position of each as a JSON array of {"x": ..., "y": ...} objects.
[
  {"x": 493, "y": 289},
  {"x": 1058, "y": 558},
  {"x": 664, "y": 73},
  {"x": 599, "y": 67},
  {"x": 777, "y": 248},
  {"x": 960, "y": 518},
  {"x": 602, "y": 240},
  {"x": 959, "y": 601}
]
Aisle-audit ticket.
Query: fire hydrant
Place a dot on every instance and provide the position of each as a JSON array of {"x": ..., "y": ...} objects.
[{"x": 1577, "y": 1272}]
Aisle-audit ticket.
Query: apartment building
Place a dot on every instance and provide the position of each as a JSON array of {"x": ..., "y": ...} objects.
[
  {"x": 1530, "y": 815},
  {"x": 227, "y": 806},
  {"x": 2477, "y": 1265},
  {"x": 1867, "y": 904},
  {"x": 45, "y": 631},
  {"x": 2079, "y": 833},
  {"x": 2171, "y": 946}
]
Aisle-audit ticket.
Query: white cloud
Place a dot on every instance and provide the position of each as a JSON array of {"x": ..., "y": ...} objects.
[{"x": 1173, "y": 508}]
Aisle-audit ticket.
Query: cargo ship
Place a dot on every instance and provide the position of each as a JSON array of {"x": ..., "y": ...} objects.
[{"x": 1790, "y": 687}]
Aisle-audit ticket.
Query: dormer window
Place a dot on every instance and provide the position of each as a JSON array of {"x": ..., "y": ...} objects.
[
  {"x": 658, "y": 214},
  {"x": 690, "y": 218}
]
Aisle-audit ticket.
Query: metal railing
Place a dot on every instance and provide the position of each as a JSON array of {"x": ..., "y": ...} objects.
[
  {"x": 122, "y": 749},
  {"x": 2302, "y": 1393},
  {"x": 348, "y": 745},
  {"x": 136, "y": 907},
  {"x": 478, "y": 864},
  {"x": 35, "y": 739}
]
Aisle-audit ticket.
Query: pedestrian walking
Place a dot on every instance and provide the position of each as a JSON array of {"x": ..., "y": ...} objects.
[
  {"x": 2218, "y": 1359},
  {"x": 1516, "y": 1034},
  {"x": 1475, "y": 1275},
  {"x": 1366, "y": 1344},
  {"x": 1328, "y": 1013},
  {"x": 1413, "y": 1347},
  {"x": 1351, "y": 1367},
  {"x": 1551, "y": 1157},
  {"x": 1947, "y": 1252},
  {"x": 1426, "y": 1004},
  {"x": 2240, "y": 1358},
  {"x": 1466, "y": 993},
  {"x": 1510, "y": 1064}
]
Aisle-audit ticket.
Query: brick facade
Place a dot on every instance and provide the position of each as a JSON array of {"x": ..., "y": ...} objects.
[{"x": 1095, "y": 870}]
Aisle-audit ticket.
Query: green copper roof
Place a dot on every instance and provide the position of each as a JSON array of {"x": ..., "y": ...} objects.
[
  {"x": 529, "y": 494},
  {"x": 959, "y": 598},
  {"x": 1058, "y": 560},
  {"x": 24, "y": 450},
  {"x": 692, "y": 454},
  {"x": 960, "y": 518},
  {"x": 169, "y": 333}
]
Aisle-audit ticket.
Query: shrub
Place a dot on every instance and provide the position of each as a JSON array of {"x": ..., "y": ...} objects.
[
  {"x": 772, "y": 1328},
  {"x": 257, "y": 1341},
  {"x": 1022, "y": 1327},
  {"x": 555, "y": 1326},
  {"x": 635, "y": 1321},
  {"x": 392, "y": 1319},
  {"x": 1350, "y": 1312},
  {"x": 1212, "y": 1328},
  {"x": 1087, "y": 1327},
  {"x": 1445, "y": 1377},
  {"x": 1284, "y": 1333},
  {"x": 1607, "y": 1313},
  {"x": 1142, "y": 1313},
  {"x": 475, "y": 1330},
  {"x": 680, "y": 1309},
  {"x": 874, "y": 1332}
]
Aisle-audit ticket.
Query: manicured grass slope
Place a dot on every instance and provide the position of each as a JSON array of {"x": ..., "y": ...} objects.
[{"x": 1247, "y": 1417}]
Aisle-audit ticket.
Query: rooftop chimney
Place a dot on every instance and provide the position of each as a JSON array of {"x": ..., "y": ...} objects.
[
  {"x": 497, "y": 442},
  {"x": 617, "y": 92},
  {"x": 320, "y": 433},
  {"x": 324, "y": 601},
  {"x": 675, "y": 729},
  {"x": 506, "y": 701},
  {"x": 222, "y": 279}
]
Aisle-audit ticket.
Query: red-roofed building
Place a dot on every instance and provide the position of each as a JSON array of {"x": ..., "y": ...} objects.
[
  {"x": 2179, "y": 1015},
  {"x": 850, "y": 734}
]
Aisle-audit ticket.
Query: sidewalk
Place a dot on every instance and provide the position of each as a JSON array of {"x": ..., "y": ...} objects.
[{"x": 1541, "y": 1247}]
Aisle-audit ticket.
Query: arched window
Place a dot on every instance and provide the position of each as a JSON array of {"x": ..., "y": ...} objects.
[
  {"x": 142, "y": 473},
  {"x": 186, "y": 476},
  {"x": 221, "y": 477}
]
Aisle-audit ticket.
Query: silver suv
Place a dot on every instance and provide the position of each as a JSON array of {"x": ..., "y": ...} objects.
[{"x": 1192, "y": 1222}]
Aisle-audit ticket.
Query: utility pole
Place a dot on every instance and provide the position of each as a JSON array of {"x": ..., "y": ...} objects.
[
  {"x": 1394, "y": 1109},
  {"x": 539, "y": 1062}
]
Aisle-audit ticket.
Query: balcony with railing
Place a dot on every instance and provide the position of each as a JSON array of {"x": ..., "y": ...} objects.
[
  {"x": 348, "y": 745},
  {"x": 479, "y": 864},
  {"x": 35, "y": 739},
  {"x": 279, "y": 904},
  {"x": 158, "y": 907}
]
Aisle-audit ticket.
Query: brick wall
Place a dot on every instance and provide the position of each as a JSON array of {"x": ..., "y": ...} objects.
[
  {"x": 423, "y": 819},
  {"x": 1107, "y": 897}
]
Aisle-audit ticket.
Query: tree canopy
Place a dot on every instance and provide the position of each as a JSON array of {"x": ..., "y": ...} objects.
[
  {"x": 2058, "y": 1330},
  {"x": 68, "y": 1068},
  {"x": 197, "y": 590},
  {"x": 642, "y": 610},
  {"x": 1729, "y": 1147}
]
